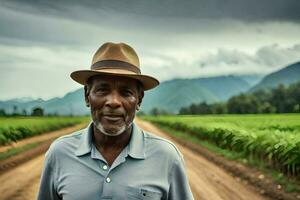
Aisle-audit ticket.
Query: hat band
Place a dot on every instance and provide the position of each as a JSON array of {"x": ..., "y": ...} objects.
[{"x": 115, "y": 64}]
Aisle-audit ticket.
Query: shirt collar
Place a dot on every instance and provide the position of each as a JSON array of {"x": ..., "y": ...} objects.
[
  {"x": 136, "y": 146},
  {"x": 85, "y": 144}
]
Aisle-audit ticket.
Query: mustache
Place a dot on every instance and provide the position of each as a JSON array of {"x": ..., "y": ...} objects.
[{"x": 112, "y": 113}]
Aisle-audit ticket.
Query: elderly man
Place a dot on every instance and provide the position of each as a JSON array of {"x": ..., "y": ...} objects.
[{"x": 112, "y": 158}]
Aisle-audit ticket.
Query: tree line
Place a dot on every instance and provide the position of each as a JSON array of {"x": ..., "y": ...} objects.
[
  {"x": 282, "y": 99},
  {"x": 36, "y": 111}
]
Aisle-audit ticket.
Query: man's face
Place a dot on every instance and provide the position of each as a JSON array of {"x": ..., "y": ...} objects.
[{"x": 113, "y": 102}]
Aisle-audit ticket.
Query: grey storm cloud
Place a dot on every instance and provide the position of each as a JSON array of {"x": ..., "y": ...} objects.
[
  {"x": 45, "y": 40},
  {"x": 224, "y": 61},
  {"x": 248, "y": 10},
  {"x": 265, "y": 59},
  {"x": 82, "y": 23},
  {"x": 275, "y": 55}
]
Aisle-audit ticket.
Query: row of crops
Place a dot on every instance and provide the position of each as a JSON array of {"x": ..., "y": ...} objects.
[
  {"x": 17, "y": 128},
  {"x": 273, "y": 139}
]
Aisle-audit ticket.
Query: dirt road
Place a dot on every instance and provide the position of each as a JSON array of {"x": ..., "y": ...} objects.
[
  {"x": 22, "y": 182},
  {"x": 208, "y": 181}
]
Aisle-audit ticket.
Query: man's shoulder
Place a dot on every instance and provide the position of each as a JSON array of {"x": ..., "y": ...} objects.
[
  {"x": 157, "y": 139},
  {"x": 69, "y": 138},
  {"x": 72, "y": 136},
  {"x": 161, "y": 145},
  {"x": 66, "y": 143}
]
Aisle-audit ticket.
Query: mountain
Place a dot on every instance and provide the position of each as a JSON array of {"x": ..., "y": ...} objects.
[
  {"x": 251, "y": 79},
  {"x": 20, "y": 104},
  {"x": 286, "y": 76},
  {"x": 174, "y": 94},
  {"x": 170, "y": 96},
  {"x": 70, "y": 104}
]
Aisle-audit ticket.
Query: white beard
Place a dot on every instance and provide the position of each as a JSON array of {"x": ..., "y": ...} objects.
[{"x": 114, "y": 133}]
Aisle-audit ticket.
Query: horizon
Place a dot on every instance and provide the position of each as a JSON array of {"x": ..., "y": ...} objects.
[
  {"x": 29, "y": 98},
  {"x": 80, "y": 87},
  {"x": 41, "y": 43}
]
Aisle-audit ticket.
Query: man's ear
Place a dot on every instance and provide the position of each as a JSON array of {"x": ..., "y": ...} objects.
[
  {"x": 141, "y": 96},
  {"x": 86, "y": 96}
]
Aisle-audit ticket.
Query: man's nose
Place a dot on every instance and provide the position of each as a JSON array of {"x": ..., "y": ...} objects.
[{"x": 113, "y": 100}]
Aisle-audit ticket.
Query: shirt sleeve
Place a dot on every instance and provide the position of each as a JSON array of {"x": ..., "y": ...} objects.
[
  {"x": 47, "y": 189},
  {"x": 179, "y": 188}
]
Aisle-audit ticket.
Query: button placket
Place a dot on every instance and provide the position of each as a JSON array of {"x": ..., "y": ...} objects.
[{"x": 108, "y": 188}]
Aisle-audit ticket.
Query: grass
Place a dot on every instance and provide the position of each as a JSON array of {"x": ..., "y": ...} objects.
[
  {"x": 17, "y": 150},
  {"x": 18, "y": 128},
  {"x": 35, "y": 125},
  {"x": 273, "y": 139}
]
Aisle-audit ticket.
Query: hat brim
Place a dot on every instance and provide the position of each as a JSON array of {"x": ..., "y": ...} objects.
[{"x": 81, "y": 76}]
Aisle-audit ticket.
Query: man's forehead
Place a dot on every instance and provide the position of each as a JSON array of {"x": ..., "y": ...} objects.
[{"x": 107, "y": 80}]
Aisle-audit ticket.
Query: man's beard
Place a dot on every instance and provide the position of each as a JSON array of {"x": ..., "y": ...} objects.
[{"x": 112, "y": 132}]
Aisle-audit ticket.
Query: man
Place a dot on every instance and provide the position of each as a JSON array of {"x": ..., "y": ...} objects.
[{"x": 112, "y": 158}]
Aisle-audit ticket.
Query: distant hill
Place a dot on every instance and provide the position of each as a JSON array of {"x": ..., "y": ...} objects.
[
  {"x": 170, "y": 96},
  {"x": 21, "y": 104},
  {"x": 174, "y": 94},
  {"x": 252, "y": 79},
  {"x": 286, "y": 76},
  {"x": 72, "y": 103}
]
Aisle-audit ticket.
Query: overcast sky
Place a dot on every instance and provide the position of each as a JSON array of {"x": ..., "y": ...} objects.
[{"x": 42, "y": 42}]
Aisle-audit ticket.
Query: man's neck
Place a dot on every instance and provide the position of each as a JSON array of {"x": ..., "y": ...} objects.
[
  {"x": 111, "y": 146},
  {"x": 103, "y": 141}
]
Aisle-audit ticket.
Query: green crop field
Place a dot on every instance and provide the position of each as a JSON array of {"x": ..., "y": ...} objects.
[
  {"x": 17, "y": 128},
  {"x": 273, "y": 139}
]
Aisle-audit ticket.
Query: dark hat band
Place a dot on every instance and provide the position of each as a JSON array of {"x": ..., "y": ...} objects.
[{"x": 115, "y": 64}]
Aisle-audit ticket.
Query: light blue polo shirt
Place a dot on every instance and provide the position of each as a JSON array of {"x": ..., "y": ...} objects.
[{"x": 149, "y": 167}]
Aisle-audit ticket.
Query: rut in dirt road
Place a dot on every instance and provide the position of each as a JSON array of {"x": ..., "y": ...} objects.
[{"x": 208, "y": 181}]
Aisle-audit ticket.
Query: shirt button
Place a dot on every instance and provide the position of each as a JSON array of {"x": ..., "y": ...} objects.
[
  {"x": 105, "y": 167},
  {"x": 108, "y": 180}
]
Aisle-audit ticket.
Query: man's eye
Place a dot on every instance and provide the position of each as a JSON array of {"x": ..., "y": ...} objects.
[
  {"x": 101, "y": 90},
  {"x": 127, "y": 92}
]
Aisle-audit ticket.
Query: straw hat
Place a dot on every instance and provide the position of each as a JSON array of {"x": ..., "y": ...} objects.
[{"x": 115, "y": 60}]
